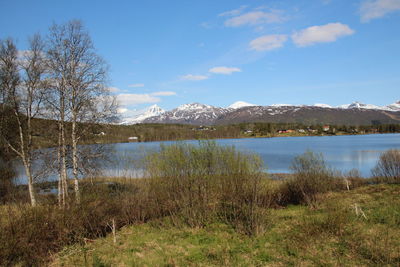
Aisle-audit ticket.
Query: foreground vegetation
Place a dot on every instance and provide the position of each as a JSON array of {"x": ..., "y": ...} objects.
[
  {"x": 211, "y": 205},
  {"x": 331, "y": 234}
]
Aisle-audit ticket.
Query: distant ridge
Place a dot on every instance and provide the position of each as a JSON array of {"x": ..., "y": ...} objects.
[{"x": 356, "y": 113}]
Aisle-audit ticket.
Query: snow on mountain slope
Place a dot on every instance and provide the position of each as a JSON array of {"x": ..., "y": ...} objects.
[
  {"x": 240, "y": 104},
  {"x": 194, "y": 113},
  {"x": 194, "y": 106},
  {"x": 359, "y": 105},
  {"x": 201, "y": 114},
  {"x": 320, "y": 105},
  {"x": 281, "y": 105},
  {"x": 394, "y": 106},
  {"x": 142, "y": 115}
]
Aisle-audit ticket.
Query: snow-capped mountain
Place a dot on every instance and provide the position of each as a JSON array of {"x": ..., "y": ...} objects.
[
  {"x": 320, "y": 105},
  {"x": 359, "y": 105},
  {"x": 194, "y": 113},
  {"x": 394, "y": 106},
  {"x": 194, "y": 107},
  {"x": 201, "y": 114},
  {"x": 142, "y": 115},
  {"x": 240, "y": 104}
]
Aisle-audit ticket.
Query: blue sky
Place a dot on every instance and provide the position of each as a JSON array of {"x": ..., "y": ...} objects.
[{"x": 218, "y": 52}]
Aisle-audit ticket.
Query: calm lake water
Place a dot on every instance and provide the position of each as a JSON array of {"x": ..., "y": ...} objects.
[{"x": 340, "y": 152}]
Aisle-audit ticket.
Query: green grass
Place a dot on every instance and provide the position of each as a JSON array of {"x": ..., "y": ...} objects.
[{"x": 329, "y": 235}]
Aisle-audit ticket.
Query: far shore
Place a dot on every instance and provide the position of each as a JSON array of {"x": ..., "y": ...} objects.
[{"x": 242, "y": 137}]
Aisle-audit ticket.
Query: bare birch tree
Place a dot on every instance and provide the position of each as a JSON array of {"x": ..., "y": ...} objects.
[
  {"x": 81, "y": 77},
  {"x": 25, "y": 85}
]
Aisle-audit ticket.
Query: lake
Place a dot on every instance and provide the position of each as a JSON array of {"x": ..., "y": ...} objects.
[
  {"x": 340, "y": 152},
  {"x": 343, "y": 153}
]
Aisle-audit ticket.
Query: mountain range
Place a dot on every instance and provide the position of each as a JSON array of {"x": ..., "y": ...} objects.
[{"x": 200, "y": 114}]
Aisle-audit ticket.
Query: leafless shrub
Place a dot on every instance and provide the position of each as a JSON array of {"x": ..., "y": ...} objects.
[
  {"x": 310, "y": 177},
  {"x": 388, "y": 167},
  {"x": 200, "y": 183}
]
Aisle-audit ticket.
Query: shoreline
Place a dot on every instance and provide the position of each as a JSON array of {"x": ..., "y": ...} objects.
[{"x": 242, "y": 137}]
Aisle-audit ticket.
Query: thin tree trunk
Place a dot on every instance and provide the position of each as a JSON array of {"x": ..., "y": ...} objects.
[
  {"x": 61, "y": 200},
  {"x": 62, "y": 152},
  {"x": 64, "y": 161},
  {"x": 25, "y": 160},
  {"x": 30, "y": 183},
  {"x": 75, "y": 159}
]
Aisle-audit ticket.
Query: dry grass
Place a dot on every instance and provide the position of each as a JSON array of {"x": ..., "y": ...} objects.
[{"x": 328, "y": 235}]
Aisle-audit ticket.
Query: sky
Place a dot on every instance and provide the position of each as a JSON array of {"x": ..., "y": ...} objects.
[{"x": 217, "y": 52}]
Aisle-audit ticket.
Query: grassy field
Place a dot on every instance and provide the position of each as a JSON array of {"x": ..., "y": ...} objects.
[{"x": 334, "y": 233}]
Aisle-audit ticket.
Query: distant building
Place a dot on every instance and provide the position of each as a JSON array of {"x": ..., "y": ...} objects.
[
  {"x": 133, "y": 139},
  {"x": 203, "y": 128},
  {"x": 285, "y": 131},
  {"x": 325, "y": 128}
]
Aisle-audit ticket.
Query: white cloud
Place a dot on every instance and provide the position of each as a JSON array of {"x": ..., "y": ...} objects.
[
  {"x": 114, "y": 89},
  {"x": 122, "y": 110},
  {"x": 255, "y": 18},
  {"x": 224, "y": 70},
  {"x": 163, "y": 93},
  {"x": 372, "y": 9},
  {"x": 321, "y": 34},
  {"x": 137, "y": 99},
  {"x": 268, "y": 42},
  {"x": 191, "y": 77},
  {"x": 136, "y": 85},
  {"x": 233, "y": 12}
]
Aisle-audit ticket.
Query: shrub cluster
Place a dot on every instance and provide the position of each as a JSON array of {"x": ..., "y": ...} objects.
[
  {"x": 388, "y": 167},
  {"x": 198, "y": 183},
  {"x": 311, "y": 177},
  {"x": 28, "y": 235}
]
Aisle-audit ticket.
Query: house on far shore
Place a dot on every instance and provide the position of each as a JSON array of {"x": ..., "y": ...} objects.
[
  {"x": 325, "y": 128},
  {"x": 286, "y": 131},
  {"x": 133, "y": 139}
]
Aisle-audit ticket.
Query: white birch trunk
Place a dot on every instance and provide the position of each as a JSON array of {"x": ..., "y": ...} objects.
[{"x": 75, "y": 160}]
